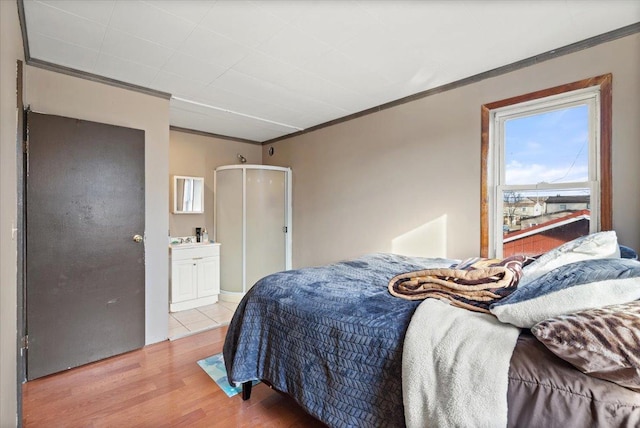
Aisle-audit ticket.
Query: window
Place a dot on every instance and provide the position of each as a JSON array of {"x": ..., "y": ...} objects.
[{"x": 546, "y": 168}]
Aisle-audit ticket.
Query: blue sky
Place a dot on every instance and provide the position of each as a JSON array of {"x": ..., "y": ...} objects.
[{"x": 549, "y": 147}]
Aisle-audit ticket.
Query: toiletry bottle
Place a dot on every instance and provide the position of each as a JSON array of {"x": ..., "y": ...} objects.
[
  {"x": 198, "y": 234},
  {"x": 205, "y": 236}
]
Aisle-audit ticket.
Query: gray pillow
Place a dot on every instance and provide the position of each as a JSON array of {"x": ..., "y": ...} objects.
[{"x": 601, "y": 245}]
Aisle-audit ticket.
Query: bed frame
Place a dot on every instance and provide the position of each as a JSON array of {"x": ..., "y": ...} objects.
[{"x": 246, "y": 390}]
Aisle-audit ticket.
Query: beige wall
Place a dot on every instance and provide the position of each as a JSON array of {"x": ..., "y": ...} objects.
[
  {"x": 199, "y": 155},
  {"x": 407, "y": 179},
  {"x": 10, "y": 52},
  {"x": 59, "y": 94}
]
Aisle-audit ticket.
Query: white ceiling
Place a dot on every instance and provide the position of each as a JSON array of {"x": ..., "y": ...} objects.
[{"x": 259, "y": 70}]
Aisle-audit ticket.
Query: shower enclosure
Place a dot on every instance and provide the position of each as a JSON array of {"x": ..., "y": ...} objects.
[{"x": 252, "y": 224}]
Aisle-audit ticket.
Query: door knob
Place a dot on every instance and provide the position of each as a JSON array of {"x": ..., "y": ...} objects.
[{"x": 137, "y": 238}]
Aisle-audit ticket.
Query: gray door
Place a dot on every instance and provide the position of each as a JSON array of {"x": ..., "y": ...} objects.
[{"x": 84, "y": 270}]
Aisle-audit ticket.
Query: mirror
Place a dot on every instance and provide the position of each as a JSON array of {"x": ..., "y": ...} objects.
[{"x": 188, "y": 195}]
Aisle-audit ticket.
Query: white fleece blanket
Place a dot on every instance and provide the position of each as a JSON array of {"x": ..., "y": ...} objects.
[{"x": 455, "y": 367}]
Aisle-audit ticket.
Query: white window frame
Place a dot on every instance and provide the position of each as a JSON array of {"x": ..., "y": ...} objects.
[{"x": 496, "y": 185}]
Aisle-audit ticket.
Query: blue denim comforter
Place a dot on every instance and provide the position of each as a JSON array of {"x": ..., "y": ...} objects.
[{"x": 331, "y": 337}]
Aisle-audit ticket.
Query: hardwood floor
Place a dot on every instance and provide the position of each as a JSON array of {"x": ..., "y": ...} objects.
[{"x": 160, "y": 385}]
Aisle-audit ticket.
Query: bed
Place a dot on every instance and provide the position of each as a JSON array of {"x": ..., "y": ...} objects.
[{"x": 332, "y": 338}]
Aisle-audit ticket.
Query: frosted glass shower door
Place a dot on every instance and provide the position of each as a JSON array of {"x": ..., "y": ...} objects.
[
  {"x": 266, "y": 220},
  {"x": 229, "y": 215}
]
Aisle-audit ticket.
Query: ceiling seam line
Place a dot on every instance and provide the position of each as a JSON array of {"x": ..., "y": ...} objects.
[{"x": 236, "y": 113}]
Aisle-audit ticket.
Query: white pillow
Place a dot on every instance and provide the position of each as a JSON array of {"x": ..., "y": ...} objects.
[{"x": 601, "y": 245}]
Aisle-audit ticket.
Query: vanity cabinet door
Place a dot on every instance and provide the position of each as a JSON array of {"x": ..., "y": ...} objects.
[
  {"x": 183, "y": 280},
  {"x": 208, "y": 276},
  {"x": 195, "y": 276}
]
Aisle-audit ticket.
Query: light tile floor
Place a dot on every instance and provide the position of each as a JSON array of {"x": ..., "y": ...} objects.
[{"x": 191, "y": 321}]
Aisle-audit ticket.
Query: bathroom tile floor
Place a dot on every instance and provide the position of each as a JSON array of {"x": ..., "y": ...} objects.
[{"x": 191, "y": 321}]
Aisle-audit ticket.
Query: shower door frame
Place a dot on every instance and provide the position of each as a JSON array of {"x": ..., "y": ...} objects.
[{"x": 232, "y": 295}]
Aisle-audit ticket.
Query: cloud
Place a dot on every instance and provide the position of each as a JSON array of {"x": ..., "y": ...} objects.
[{"x": 518, "y": 173}]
